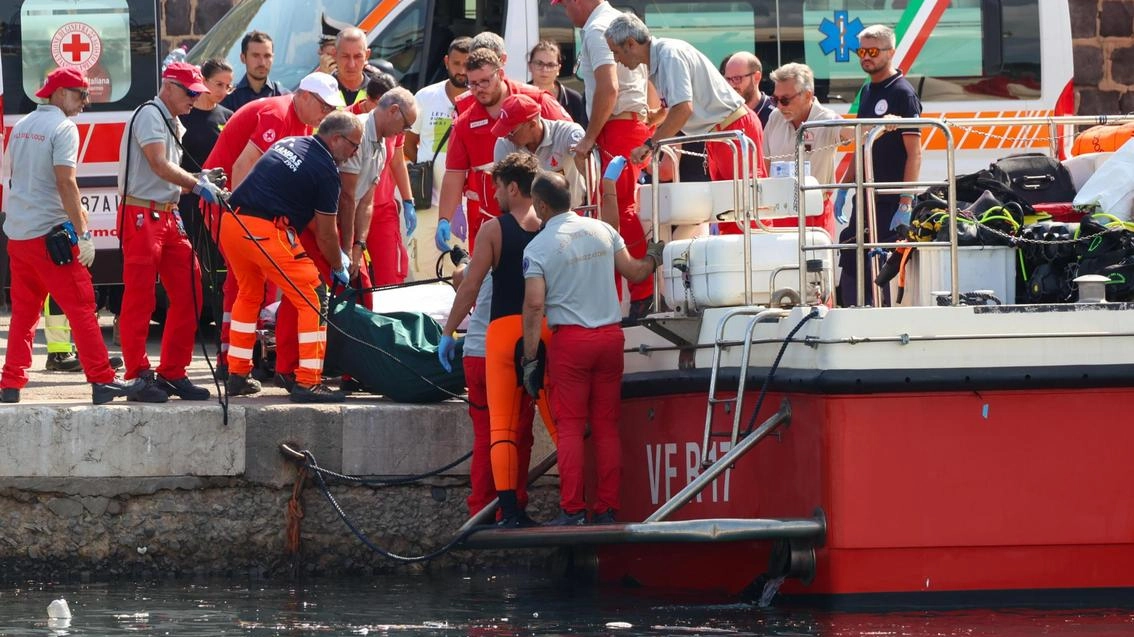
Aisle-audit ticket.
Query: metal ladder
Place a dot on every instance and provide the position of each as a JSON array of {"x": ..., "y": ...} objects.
[{"x": 756, "y": 316}]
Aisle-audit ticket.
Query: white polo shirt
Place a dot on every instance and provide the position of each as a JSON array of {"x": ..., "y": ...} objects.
[
  {"x": 676, "y": 67},
  {"x": 554, "y": 152},
  {"x": 370, "y": 159},
  {"x": 575, "y": 257},
  {"x": 42, "y": 140},
  {"x": 595, "y": 53},
  {"x": 820, "y": 144}
]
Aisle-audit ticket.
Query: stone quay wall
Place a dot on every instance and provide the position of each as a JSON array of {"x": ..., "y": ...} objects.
[{"x": 1102, "y": 32}]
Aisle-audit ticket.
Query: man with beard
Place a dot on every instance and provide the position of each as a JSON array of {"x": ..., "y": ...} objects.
[
  {"x": 436, "y": 108},
  {"x": 897, "y": 153},
  {"x": 469, "y": 163},
  {"x": 256, "y": 55},
  {"x": 743, "y": 72},
  {"x": 503, "y": 240}
]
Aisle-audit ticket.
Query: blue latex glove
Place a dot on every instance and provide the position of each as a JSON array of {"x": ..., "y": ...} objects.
[
  {"x": 901, "y": 217},
  {"x": 340, "y": 277},
  {"x": 70, "y": 228},
  {"x": 840, "y": 204},
  {"x": 614, "y": 168},
  {"x": 446, "y": 352},
  {"x": 207, "y": 191},
  {"x": 443, "y": 235},
  {"x": 409, "y": 211}
]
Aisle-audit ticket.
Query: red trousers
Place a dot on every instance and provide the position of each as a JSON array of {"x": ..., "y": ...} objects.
[
  {"x": 389, "y": 261},
  {"x": 619, "y": 137},
  {"x": 482, "y": 205},
  {"x": 585, "y": 374},
  {"x": 287, "y": 316},
  {"x": 480, "y": 469},
  {"x": 154, "y": 248},
  {"x": 34, "y": 275}
]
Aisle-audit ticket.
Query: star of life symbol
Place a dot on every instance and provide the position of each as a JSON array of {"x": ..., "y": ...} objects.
[
  {"x": 76, "y": 44},
  {"x": 842, "y": 36}
]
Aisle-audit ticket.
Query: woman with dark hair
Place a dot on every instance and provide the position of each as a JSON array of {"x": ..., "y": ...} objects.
[
  {"x": 544, "y": 62},
  {"x": 203, "y": 125}
]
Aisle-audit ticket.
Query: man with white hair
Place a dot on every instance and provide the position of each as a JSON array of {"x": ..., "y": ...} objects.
[{"x": 675, "y": 68}]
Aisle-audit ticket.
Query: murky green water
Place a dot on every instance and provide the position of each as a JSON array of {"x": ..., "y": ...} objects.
[{"x": 485, "y": 605}]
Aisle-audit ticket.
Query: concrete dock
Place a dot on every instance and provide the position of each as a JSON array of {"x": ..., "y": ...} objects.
[{"x": 130, "y": 489}]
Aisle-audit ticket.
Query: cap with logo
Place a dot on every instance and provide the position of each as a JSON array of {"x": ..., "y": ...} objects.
[
  {"x": 515, "y": 110},
  {"x": 65, "y": 77},
  {"x": 325, "y": 86},
  {"x": 186, "y": 75}
]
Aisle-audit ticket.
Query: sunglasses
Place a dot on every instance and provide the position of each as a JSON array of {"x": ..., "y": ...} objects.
[
  {"x": 784, "y": 100},
  {"x": 82, "y": 92},
  {"x": 871, "y": 51},
  {"x": 192, "y": 94}
]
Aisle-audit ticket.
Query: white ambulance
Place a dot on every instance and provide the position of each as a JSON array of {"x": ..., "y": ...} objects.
[{"x": 115, "y": 43}]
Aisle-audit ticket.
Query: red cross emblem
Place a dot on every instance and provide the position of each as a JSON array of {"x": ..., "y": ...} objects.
[{"x": 76, "y": 44}]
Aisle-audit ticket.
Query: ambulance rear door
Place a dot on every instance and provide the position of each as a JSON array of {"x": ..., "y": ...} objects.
[{"x": 115, "y": 43}]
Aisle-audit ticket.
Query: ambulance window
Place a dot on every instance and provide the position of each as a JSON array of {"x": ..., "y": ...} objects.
[
  {"x": 979, "y": 49},
  {"x": 402, "y": 43},
  {"x": 112, "y": 41}
]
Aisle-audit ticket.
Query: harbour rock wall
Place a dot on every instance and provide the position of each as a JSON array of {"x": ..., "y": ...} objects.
[{"x": 146, "y": 491}]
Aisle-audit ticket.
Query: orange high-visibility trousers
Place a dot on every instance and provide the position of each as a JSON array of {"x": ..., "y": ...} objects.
[
  {"x": 506, "y": 398},
  {"x": 262, "y": 251}
]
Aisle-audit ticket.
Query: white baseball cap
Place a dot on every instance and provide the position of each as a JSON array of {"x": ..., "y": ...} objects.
[{"x": 325, "y": 86}]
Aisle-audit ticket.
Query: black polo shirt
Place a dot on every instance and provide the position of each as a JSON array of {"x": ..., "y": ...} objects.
[
  {"x": 892, "y": 96},
  {"x": 243, "y": 93},
  {"x": 294, "y": 179}
]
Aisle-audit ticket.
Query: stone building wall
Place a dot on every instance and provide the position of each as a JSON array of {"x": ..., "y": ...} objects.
[{"x": 1102, "y": 32}]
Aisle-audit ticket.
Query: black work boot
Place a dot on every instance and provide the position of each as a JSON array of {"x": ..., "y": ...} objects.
[
  {"x": 315, "y": 394},
  {"x": 238, "y": 385},
  {"x": 149, "y": 392},
  {"x": 63, "y": 362},
  {"x": 183, "y": 388},
  {"x": 511, "y": 515},
  {"x": 105, "y": 392}
]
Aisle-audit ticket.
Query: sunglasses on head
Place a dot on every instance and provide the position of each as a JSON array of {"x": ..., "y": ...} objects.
[{"x": 871, "y": 51}]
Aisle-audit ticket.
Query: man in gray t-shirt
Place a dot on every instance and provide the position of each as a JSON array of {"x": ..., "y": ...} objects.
[
  {"x": 49, "y": 242},
  {"x": 154, "y": 243},
  {"x": 567, "y": 274},
  {"x": 520, "y": 128}
]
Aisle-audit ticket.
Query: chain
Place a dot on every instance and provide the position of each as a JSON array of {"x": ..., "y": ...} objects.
[{"x": 979, "y": 130}]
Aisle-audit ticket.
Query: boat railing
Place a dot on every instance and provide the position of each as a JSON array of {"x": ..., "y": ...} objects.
[{"x": 866, "y": 132}]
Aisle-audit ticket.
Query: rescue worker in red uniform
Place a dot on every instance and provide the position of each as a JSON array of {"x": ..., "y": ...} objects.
[
  {"x": 468, "y": 163},
  {"x": 295, "y": 182},
  {"x": 567, "y": 274},
  {"x": 49, "y": 242},
  {"x": 246, "y": 136},
  {"x": 358, "y": 176},
  {"x": 154, "y": 241},
  {"x": 503, "y": 240}
]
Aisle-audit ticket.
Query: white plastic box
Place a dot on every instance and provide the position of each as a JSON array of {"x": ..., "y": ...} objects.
[
  {"x": 691, "y": 203},
  {"x": 979, "y": 268},
  {"x": 715, "y": 267}
]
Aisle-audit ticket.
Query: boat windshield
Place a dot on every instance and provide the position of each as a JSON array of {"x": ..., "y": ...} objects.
[{"x": 295, "y": 28}]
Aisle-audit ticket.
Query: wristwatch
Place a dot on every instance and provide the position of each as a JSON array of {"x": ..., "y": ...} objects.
[
  {"x": 361, "y": 244},
  {"x": 86, "y": 236},
  {"x": 650, "y": 143}
]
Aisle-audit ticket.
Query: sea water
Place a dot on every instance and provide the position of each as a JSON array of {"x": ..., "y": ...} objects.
[{"x": 486, "y": 605}]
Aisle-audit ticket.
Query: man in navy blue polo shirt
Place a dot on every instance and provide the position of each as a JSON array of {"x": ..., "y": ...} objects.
[
  {"x": 897, "y": 153},
  {"x": 295, "y": 182}
]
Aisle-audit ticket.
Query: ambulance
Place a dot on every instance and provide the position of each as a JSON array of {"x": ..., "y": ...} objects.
[{"x": 115, "y": 43}]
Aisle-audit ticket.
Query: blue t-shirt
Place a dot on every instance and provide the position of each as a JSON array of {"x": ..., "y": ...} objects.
[
  {"x": 892, "y": 96},
  {"x": 294, "y": 179}
]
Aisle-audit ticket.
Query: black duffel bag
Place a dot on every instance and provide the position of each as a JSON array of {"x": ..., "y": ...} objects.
[
  {"x": 1035, "y": 177},
  {"x": 421, "y": 176}
]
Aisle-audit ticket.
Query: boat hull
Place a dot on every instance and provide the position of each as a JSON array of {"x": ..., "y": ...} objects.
[{"x": 922, "y": 491}]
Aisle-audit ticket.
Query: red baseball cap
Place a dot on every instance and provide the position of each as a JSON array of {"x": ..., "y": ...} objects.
[
  {"x": 556, "y": 1},
  {"x": 65, "y": 77},
  {"x": 516, "y": 110},
  {"x": 186, "y": 75}
]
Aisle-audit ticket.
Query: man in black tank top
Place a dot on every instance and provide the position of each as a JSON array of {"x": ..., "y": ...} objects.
[{"x": 502, "y": 241}]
